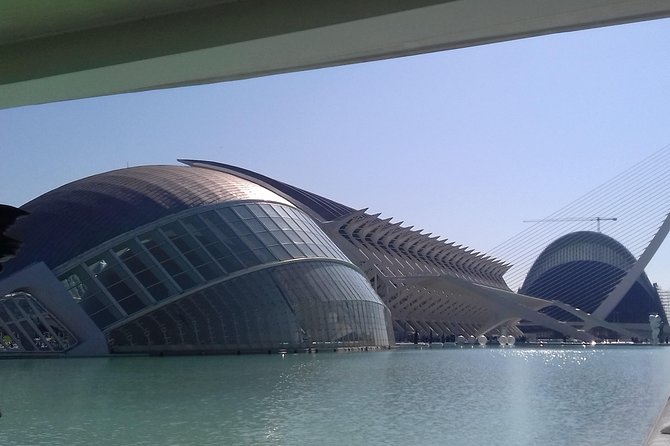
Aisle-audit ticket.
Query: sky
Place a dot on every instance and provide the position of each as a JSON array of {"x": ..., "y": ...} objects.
[{"x": 465, "y": 143}]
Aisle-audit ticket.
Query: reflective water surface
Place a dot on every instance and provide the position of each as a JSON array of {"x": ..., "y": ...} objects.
[{"x": 439, "y": 396}]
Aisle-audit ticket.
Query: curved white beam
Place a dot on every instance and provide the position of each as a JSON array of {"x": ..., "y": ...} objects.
[{"x": 76, "y": 49}]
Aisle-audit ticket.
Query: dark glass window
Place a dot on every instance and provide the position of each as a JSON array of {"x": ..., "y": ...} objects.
[
  {"x": 256, "y": 210},
  {"x": 252, "y": 241},
  {"x": 243, "y": 212},
  {"x": 280, "y": 252},
  {"x": 281, "y": 223},
  {"x": 239, "y": 227},
  {"x": 225, "y": 233},
  {"x": 267, "y": 239},
  {"x": 228, "y": 214},
  {"x": 269, "y": 224},
  {"x": 103, "y": 318},
  {"x": 191, "y": 251},
  {"x": 142, "y": 272},
  {"x": 269, "y": 209},
  {"x": 255, "y": 226}
]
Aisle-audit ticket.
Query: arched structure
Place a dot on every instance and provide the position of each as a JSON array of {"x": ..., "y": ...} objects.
[
  {"x": 179, "y": 259},
  {"x": 581, "y": 269},
  {"x": 210, "y": 257},
  {"x": 433, "y": 288}
]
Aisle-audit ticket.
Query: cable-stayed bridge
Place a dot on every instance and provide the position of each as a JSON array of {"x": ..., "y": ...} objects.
[{"x": 591, "y": 254}]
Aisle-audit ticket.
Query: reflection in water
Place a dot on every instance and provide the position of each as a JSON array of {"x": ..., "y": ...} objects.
[{"x": 496, "y": 396}]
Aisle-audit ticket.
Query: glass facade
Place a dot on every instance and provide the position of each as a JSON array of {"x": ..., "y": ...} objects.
[
  {"x": 27, "y": 327},
  {"x": 297, "y": 305},
  {"x": 200, "y": 270}
]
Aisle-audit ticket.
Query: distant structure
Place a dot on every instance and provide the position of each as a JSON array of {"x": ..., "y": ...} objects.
[
  {"x": 596, "y": 279},
  {"x": 665, "y": 298},
  {"x": 582, "y": 269}
]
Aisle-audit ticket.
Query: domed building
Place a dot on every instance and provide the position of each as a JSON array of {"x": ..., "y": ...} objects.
[
  {"x": 581, "y": 269},
  {"x": 160, "y": 259},
  {"x": 209, "y": 257}
]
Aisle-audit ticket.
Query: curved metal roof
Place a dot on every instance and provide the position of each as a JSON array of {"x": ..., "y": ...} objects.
[
  {"x": 80, "y": 215},
  {"x": 325, "y": 208}
]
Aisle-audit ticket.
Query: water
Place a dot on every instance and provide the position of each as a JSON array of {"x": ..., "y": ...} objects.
[{"x": 471, "y": 396}]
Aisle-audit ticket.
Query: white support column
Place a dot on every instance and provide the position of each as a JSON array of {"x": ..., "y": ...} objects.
[{"x": 615, "y": 296}]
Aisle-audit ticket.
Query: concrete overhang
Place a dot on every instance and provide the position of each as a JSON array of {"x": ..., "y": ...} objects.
[{"x": 53, "y": 51}]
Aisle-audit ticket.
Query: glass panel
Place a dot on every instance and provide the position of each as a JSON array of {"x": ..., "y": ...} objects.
[
  {"x": 256, "y": 210},
  {"x": 293, "y": 236},
  {"x": 315, "y": 250},
  {"x": 281, "y": 210},
  {"x": 281, "y": 237},
  {"x": 294, "y": 251},
  {"x": 252, "y": 241},
  {"x": 103, "y": 318},
  {"x": 283, "y": 225},
  {"x": 228, "y": 214},
  {"x": 141, "y": 271},
  {"x": 213, "y": 245},
  {"x": 195, "y": 221},
  {"x": 269, "y": 224},
  {"x": 74, "y": 284},
  {"x": 226, "y": 234},
  {"x": 248, "y": 258},
  {"x": 190, "y": 249},
  {"x": 112, "y": 279},
  {"x": 94, "y": 304},
  {"x": 171, "y": 266},
  {"x": 239, "y": 227},
  {"x": 267, "y": 239},
  {"x": 13, "y": 309},
  {"x": 294, "y": 225},
  {"x": 318, "y": 251},
  {"x": 230, "y": 263},
  {"x": 280, "y": 253},
  {"x": 255, "y": 226},
  {"x": 269, "y": 209},
  {"x": 264, "y": 255},
  {"x": 243, "y": 212},
  {"x": 131, "y": 304},
  {"x": 218, "y": 250}
]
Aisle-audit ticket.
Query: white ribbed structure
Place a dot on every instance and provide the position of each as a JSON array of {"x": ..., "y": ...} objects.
[{"x": 398, "y": 259}]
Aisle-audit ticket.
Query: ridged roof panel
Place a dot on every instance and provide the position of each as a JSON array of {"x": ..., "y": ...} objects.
[{"x": 85, "y": 213}]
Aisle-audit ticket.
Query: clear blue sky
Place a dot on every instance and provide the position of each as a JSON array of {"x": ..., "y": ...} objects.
[{"x": 465, "y": 144}]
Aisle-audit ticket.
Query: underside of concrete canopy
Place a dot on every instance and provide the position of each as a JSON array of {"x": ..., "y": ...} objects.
[{"x": 53, "y": 51}]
